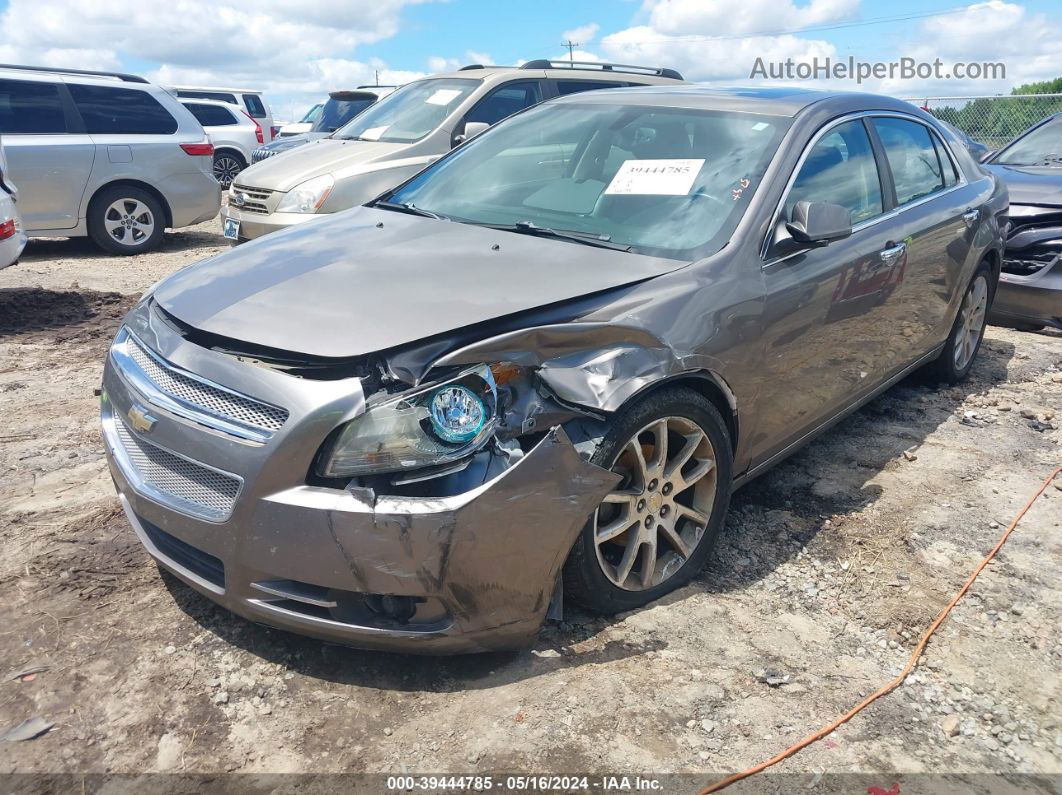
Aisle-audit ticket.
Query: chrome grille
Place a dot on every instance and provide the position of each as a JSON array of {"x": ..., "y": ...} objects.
[
  {"x": 179, "y": 482},
  {"x": 260, "y": 154},
  {"x": 204, "y": 396},
  {"x": 255, "y": 199}
]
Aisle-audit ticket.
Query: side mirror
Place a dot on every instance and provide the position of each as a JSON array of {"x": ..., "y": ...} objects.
[
  {"x": 472, "y": 129},
  {"x": 819, "y": 223}
]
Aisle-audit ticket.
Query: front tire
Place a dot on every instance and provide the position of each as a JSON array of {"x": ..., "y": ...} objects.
[
  {"x": 964, "y": 341},
  {"x": 654, "y": 532},
  {"x": 126, "y": 220}
]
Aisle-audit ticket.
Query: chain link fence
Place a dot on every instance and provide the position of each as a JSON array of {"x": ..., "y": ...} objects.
[{"x": 991, "y": 120}]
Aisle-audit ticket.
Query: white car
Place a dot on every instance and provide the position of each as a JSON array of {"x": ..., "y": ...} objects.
[
  {"x": 304, "y": 124},
  {"x": 12, "y": 233},
  {"x": 248, "y": 100},
  {"x": 233, "y": 133}
]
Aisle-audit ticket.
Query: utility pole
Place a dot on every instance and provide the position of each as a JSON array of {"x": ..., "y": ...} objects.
[
  {"x": 377, "y": 78},
  {"x": 571, "y": 45}
]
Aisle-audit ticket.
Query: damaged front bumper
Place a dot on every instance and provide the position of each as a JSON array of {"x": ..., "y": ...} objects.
[
  {"x": 1030, "y": 284},
  {"x": 236, "y": 520}
]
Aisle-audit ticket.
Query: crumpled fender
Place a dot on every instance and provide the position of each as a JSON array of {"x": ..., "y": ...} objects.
[{"x": 595, "y": 365}]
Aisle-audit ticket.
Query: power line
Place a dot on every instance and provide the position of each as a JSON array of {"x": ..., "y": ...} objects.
[{"x": 571, "y": 45}]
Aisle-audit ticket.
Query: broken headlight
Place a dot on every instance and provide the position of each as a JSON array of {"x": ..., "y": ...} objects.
[{"x": 430, "y": 426}]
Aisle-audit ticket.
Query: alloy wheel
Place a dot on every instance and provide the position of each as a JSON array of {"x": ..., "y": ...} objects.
[
  {"x": 129, "y": 221},
  {"x": 972, "y": 317},
  {"x": 646, "y": 529},
  {"x": 226, "y": 168}
]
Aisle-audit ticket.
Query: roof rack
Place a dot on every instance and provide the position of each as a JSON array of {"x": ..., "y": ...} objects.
[
  {"x": 471, "y": 66},
  {"x": 120, "y": 75},
  {"x": 560, "y": 63}
]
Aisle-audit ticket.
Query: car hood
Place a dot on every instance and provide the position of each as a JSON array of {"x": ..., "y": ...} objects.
[
  {"x": 367, "y": 280},
  {"x": 323, "y": 156},
  {"x": 291, "y": 141},
  {"x": 1031, "y": 184}
]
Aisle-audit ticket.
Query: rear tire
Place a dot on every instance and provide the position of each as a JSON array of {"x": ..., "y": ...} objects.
[
  {"x": 662, "y": 503},
  {"x": 964, "y": 341},
  {"x": 227, "y": 165},
  {"x": 125, "y": 219}
]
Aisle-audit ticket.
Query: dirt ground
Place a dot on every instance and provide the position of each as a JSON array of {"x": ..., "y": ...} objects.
[{"x": 830, "y": 568}]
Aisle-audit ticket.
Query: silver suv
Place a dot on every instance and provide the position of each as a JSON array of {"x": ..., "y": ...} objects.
[
  {"x": 102, "y": 154},
  {"x": 401, "y": 134}
]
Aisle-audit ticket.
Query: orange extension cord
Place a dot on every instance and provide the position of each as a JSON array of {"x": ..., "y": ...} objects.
[{"x": 892, "y": 685}]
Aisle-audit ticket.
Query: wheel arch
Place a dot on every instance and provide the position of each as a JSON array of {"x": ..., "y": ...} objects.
[
  {"x": 135, "y": 183},
  {"x": 232, "y": 150},
  {"x": 709, "y": 385}
]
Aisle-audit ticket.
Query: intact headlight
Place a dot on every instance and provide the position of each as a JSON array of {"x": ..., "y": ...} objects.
[
  {"x": 434, "y": 425},
  {"x": 307, "y": 197}
]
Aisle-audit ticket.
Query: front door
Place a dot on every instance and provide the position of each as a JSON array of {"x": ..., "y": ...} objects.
[{"x": 825, "y": 339}]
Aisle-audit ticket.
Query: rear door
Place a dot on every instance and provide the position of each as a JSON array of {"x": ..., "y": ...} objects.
[
  {"x": 935, "y": 218},
  {"x": 49, "y": 155},
  {"x": 257, "y": 110}
]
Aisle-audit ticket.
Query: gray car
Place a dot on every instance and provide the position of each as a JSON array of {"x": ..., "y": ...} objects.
[
  {"x": 541, "y": 366},
  {"x": 402, "y": 133},
  {"x": 103, "y": 154}
]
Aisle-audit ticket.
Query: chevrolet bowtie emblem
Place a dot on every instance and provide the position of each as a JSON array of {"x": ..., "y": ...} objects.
[{"x": 140, "y": 419}]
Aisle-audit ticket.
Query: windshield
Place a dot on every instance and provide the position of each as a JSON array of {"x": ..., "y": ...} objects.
[
  {"x": 337, "y": 112},
  {"x": 409, "y": 113},
  {"x": 1039, "y": 147},
  {"x": 666, "y": 182},
  {"x": 312, "y": 115}
]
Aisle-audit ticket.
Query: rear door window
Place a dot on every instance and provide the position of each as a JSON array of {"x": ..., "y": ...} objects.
[
  {"x": 505, "y": 101},
  {"x": 255, "y": 105},
  {"x": 106, "y": 109},
  {"x": 840, "y": 169},
  {"x": 912, "y": 157},
  {"x": 30, "y": 108},
  {"x": 211, "y": 115}
]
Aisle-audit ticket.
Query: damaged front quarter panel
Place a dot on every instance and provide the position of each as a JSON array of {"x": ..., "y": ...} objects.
[{"x": 491, "y": 555}]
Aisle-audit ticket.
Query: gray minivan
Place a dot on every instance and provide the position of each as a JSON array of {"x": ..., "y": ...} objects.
[
  {"x": 107, "y": 155},
  {"x": 401, "y": 134}
]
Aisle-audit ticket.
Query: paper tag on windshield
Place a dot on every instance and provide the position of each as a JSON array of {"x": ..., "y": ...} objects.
[
  {"x": 374, "y": 133},
  {"x": 655, "y": 177},
  {"x": 443, "y": 96}
]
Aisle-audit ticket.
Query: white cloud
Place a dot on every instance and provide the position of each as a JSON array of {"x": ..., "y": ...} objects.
[
  {"x": 723, "y": 17},
  {"x": 293, "y": 52},
  {"x": 437, "y": 63},
  {"x": 584, "y": 34}
]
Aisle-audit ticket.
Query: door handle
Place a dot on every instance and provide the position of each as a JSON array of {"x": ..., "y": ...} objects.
[
  {"x": 970, "y": 217},
  {"x": 890, "y": 255}
]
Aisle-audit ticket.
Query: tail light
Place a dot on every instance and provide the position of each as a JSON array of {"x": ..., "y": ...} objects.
[
  {"x": 274, "y": 131},
  {"x": 7, "y": 229},
  {"x": 199, "y": 150},
  {"x": 257, "y": 128}
]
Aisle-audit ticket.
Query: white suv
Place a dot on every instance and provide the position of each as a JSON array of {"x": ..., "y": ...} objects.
[
  {"x": 249, "y": 100},
  {"x": 235, "y": 136}
]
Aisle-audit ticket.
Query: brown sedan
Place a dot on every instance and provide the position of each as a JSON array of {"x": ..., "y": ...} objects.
[{"x": 541, "y": 366}]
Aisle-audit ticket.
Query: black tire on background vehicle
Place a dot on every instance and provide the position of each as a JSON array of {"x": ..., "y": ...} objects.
[
  {"x": 964, "y": 340},
  {"x": 125, "y": 219},
  {"x": 654, "y": 532},
  {"x": 227, "y": 164}
]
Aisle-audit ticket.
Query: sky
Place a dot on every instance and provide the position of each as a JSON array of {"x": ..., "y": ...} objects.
[{"x": 298, "y": 51}]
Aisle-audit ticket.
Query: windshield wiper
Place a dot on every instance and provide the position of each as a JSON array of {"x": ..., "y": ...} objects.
[
  {"x": 574, "y": 235},
  {"x": 407, "y": 207}
]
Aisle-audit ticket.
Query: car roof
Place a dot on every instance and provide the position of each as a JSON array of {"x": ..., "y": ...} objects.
[
  {"x": 496, "y": 72},
  {"x": 217, "y": 103},
  {"x": 774, "y": 100}
]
